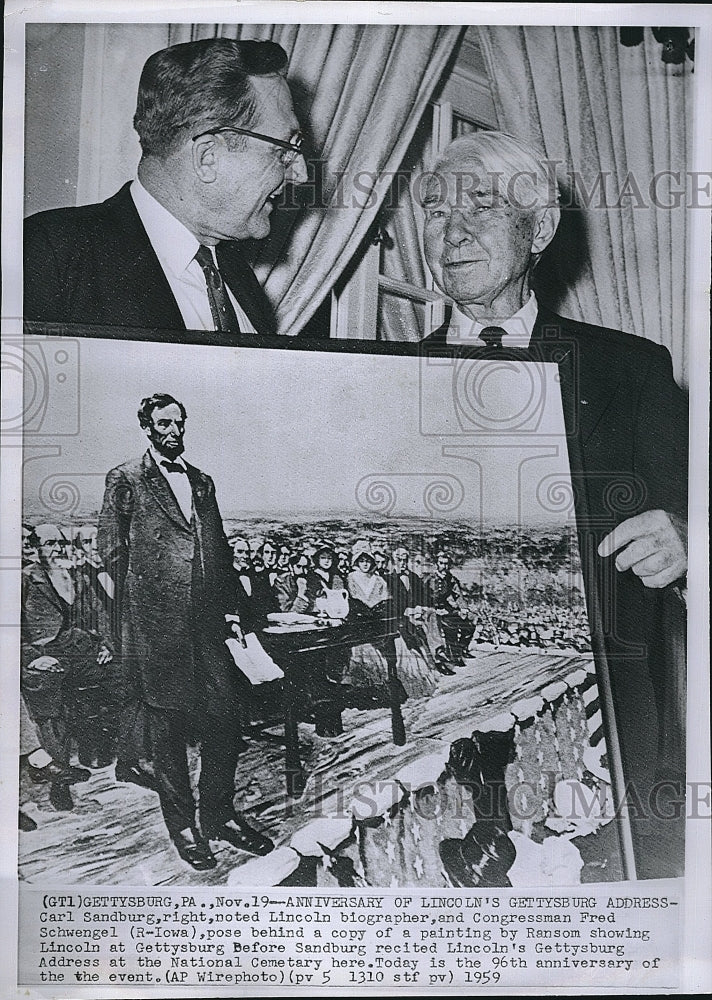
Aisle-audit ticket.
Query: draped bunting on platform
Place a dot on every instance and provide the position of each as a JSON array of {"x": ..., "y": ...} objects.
[
  {"x": 600, "y": 107},
  {"x": 360, "y": 91}
]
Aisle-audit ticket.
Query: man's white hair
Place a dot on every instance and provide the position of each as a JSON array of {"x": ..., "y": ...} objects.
[
  {"x": 505, "y": 165},
  {"x": 49, "y": 533}
]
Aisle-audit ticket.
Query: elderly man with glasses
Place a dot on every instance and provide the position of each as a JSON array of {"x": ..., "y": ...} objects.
[{"x": 219, "y": 141}]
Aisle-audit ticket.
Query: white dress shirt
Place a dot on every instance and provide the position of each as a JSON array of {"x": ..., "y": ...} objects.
[
  {"x": 178, "y": 482},
  {"x": 176, "y": 247},
  {"x": 517, "y": 328}
]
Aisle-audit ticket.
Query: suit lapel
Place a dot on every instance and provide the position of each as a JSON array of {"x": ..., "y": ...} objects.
[
  {"x": 439, "y": 336},
  {"x": 162, "y": 492},
  {"x": 198, "y": 486},
  {"x": 241, "y": 280},
  {"x": 588, "y": 386},
  {"x": 44, "y": 583},
  {"x": 138, "y": 268}
]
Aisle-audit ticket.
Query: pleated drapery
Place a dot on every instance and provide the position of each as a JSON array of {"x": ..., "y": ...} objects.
[
  {"x": 401, "y": 255},
  {"x": 619, "y": 118},
  {"x": 360, "y": 92}
]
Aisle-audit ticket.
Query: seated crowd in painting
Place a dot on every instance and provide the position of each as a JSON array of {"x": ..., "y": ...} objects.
[
  {"x": 359, "y": 582},
  {"x": 68, "y": 682},
  {"x": 70, "y": 687}
]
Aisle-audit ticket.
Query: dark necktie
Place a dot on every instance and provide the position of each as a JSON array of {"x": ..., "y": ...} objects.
[
  {"x": 221, "y": 308},
  {"x": 492, "y": 336},
  {"x": 173, "y": 467}
]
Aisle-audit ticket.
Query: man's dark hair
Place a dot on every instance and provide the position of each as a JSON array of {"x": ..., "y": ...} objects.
[
  {"x": 157, "y": 401},
  {"x": 201, "y": 85}
]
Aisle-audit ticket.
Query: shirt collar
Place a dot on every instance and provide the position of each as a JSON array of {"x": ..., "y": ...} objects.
[
  {"x": 517, "y": 328},
  {"x": 174, "y": 244},
  {"x": 158, "y": 459}
]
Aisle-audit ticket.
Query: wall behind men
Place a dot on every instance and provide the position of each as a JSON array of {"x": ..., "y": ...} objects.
[
  {"x": 81, "y": 85},
  {"x": 54, "y": 57}
]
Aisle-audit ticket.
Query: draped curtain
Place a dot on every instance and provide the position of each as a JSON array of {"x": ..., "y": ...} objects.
[
  {"x": 401, "y": 252},
  {"x": 603, "y": 109},
  {"x": 360, "y": 92}
]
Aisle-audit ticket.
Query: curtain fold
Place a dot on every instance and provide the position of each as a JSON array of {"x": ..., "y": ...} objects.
[
  {"x": 617, "y": 116},
  {"x": 360, "y": 91},
  {"x": 402, "y": 256}
]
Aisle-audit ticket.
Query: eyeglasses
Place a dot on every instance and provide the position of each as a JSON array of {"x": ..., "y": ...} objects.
[{"x": 291, "y": 148}]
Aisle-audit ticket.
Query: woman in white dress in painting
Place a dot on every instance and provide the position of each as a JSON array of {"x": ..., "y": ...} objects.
[{"x": 367, "y": 672}]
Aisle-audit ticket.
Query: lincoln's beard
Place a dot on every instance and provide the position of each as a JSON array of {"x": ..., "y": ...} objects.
[{"x": 167, "y": 445}]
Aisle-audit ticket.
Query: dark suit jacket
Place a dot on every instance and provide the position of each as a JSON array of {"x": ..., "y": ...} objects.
[
  {"x": 262, "y": 601},
  {"x": 415, "y": 595},
  {"x": 175, "y": 582},
  {"x": 626, "y": 424},
  {"x": 52, "y": 626},
  {"x": 446, "y": 592},
  {"x": 46, "y": 614},
  {"x": 95, "y": 265}
]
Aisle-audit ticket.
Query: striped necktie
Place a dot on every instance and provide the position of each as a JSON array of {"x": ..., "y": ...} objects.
[{"x": 221, "y": 307}]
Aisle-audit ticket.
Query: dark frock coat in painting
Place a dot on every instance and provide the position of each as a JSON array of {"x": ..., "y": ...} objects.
[
  {"x": 416, "y": 594},
  {"x": 175, "y": 583}
]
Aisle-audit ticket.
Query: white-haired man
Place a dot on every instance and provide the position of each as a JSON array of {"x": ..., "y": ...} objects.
[
  {"x": 65, "y": 655},
  {"x": 491, "y": 208}
]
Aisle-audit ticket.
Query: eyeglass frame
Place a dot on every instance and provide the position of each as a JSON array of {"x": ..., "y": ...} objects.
[{"x": 293, "y": 145}]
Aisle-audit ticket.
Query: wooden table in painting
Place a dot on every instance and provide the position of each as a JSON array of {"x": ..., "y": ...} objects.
[{"x": 290, "y": 647}]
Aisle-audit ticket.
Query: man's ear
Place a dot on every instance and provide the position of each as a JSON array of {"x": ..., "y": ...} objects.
[
  {"x": 205, "y": 158},
  {"x": 545, "y": 228}
]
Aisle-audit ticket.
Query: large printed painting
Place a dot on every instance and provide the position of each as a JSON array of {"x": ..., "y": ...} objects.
[{"x": 416, "y": 687}]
